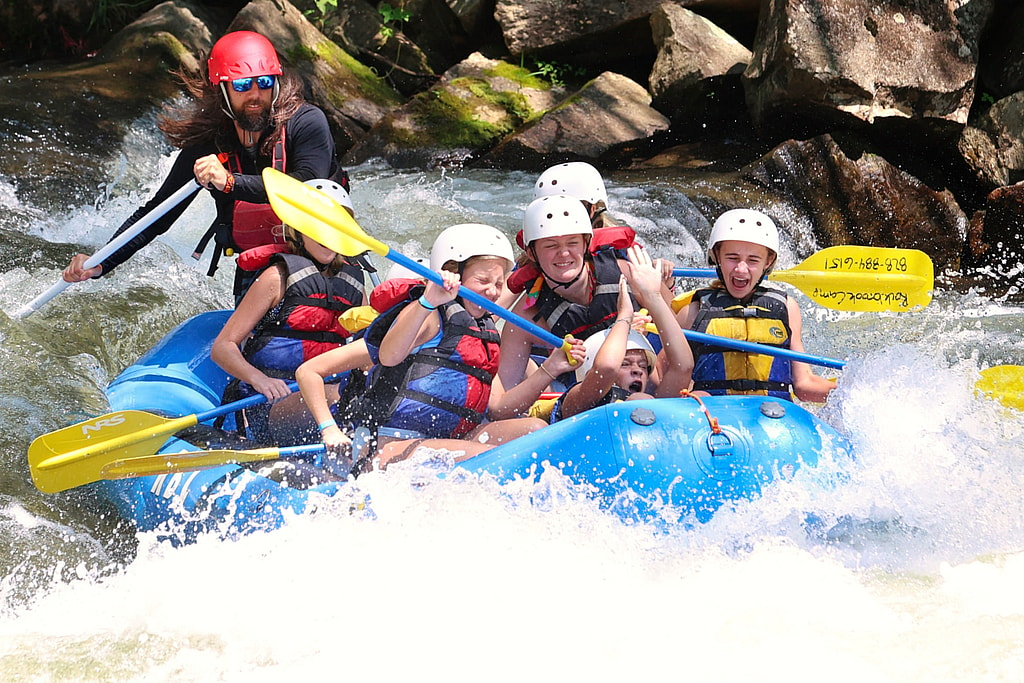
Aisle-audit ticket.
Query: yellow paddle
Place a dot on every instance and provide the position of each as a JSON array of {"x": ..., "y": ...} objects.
[
  {"x": 855, "y": 278},
  {"x": 81, "y": 453},
  {"x": 1004, "y": 383},
  {"x": 166, "y": 463}
]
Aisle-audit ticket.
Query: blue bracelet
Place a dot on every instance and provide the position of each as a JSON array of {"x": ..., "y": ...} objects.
[
  {"x": 426, "y": 304},
  {"x": 327, "y": 423}
]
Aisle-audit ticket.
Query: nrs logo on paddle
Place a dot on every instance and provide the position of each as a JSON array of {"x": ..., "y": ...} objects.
[{"x": 108, "y": 421}]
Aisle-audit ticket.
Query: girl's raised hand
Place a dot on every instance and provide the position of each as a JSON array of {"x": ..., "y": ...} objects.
[
  {"x": 643, "y": 274},
  {"x": 625, "y": 304},
  {"x": 437, "y": 295}
]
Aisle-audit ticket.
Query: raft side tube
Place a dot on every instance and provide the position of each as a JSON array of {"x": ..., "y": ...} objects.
[{"x": 664, "y": 452}]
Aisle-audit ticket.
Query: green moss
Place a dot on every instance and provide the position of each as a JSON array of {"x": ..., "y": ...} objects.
[
  {"x": 336, "y": 59},
  {"x": 518, "y": 74},
  {"x": 450, "y": 116},
  {"x": 452, "y": 121}
]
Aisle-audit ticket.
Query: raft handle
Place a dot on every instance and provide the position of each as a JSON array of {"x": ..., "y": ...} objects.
[{"x": 719, "y": 443}]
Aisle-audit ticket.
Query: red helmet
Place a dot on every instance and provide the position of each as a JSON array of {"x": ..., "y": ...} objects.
[{"x": 242, "y": 54}]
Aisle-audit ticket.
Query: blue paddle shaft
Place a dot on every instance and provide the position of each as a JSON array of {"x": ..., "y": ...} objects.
[
  {"x": 249, "y": 402},
  {"x": 549, "y": 338},
  {"x": 751, "y": 347},
  {"x": 694, "y": 272},
  {"x": 469, "y": 295},
  {"x": 308, "y": 449}
]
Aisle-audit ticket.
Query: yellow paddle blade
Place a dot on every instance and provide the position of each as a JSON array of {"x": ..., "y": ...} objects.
[
  {"x": 854, "y": 278},
  {"x": 166, "y": 463},
  {"x": 1004, "y": 383},
  {"x": 77, "y": 454},
  {"x": 313, "y": 213}
]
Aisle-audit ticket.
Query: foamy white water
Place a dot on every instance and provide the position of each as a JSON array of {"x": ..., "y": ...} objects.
[{"x": 908, "y": 570}]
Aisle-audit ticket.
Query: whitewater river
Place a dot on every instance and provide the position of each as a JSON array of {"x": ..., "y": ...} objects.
[{"x": 913, "y": 574}]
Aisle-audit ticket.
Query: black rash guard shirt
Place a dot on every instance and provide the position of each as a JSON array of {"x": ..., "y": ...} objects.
[{"x": 309, "y": 152}]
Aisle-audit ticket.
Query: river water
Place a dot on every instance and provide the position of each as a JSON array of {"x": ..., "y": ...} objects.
[{"x": 912, "y": 573}]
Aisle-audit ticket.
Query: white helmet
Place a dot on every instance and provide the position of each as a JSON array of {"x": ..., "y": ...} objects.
[
  {"x": 462, "y": 242},
  {"x": 399, "y": 271},
  {"x": 744, "y": 225},
  {"x": 593, "y": 343},
  {"x": 555, "y": 216},
  {"x": 576, "y": 179},
  {"x": 334, "y": 191}
]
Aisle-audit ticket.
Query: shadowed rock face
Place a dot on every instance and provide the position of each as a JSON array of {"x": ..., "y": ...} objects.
[{"x": 862, "y": 199}]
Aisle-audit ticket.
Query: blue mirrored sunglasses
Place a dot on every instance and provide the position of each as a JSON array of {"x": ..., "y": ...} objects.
[{"x": 245, "y": 84}]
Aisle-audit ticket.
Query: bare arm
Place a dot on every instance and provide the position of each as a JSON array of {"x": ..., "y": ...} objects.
[
  {"x": 646, "y": 278},
  {"x": 265, "y": 293},
  {"x": 310, "y": 375},
  {"x": 416, "y": 323},
  {"x": 806, "y": 385},
  {"x": 516, "y": 401},
  {"x": 515, "y": 349},
  {"x": 601, "y": 377}
]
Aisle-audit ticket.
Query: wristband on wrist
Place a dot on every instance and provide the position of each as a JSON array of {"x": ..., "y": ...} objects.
[
  {"x": 621, "y": 320},
  {"x": 229, "y": 184},
  {"x": 326, "y": 424},
  {"x": 426, "y": 304},
  {"x": 547, "y": 372}
]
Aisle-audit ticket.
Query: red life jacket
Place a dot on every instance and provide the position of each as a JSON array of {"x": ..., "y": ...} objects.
[
  {"x": 305, "y": 323},
  {"x": 393, "y": 291},
  {"x": 611, "y": 237},
  {"x": 253, "y": 225}
]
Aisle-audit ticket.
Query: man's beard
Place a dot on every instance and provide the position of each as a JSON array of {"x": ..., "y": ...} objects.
[{"x": 255, "y": 122}]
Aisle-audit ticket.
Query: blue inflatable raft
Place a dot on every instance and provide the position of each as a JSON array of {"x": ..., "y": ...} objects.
[{"x": 638, "y": 457}]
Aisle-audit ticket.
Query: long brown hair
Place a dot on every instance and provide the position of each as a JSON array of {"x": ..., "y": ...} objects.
[
  {"x": 203, "y": 118},
  {"x": 295, "y": 244}
]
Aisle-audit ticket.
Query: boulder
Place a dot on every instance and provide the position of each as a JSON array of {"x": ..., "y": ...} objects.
[
  {"x": 1001, "y": 67},
  {"x": 695, "y": 59},
  {"x": 476, "y": 103},
  {"x": 606, "y": 34},
  {"x": 350, "y": 93},
  {"x": 832, "y": 59},
  {"x": 994, "y": 145},
  {"x": 857, "y": 197},
  {"x": 435, "y": 30},
  {"x": 609, "y": 121},
  {"x": 360, "y": 31},
  {"x": 475, "y": 16}
]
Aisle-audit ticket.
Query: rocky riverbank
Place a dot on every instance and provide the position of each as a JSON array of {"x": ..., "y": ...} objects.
[{"x": 895, "y": 124}]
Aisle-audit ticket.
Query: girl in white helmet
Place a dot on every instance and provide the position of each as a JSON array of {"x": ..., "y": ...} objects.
[
  {"x": 576, "y": 292},
  {"x": 744, "y": 246},
  {"x": 620, "y": 362},
  {"x": 579, "y": 180},
  {"x": 434, "y": 384},
  {"x": 288, "y": 315}
]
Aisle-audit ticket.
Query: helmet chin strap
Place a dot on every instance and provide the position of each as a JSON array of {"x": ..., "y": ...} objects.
[{"x": 226, "y": 107}]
